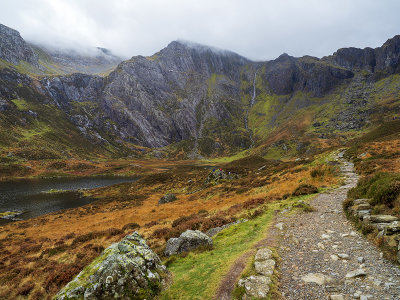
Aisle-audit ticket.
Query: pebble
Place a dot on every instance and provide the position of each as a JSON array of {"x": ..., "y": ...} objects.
[
  {"x": 325, "y": 236},
  {"x": 343, "y": 256},
  {"x": 360, "y": 259},
  {"x": 334, "y": 257}
]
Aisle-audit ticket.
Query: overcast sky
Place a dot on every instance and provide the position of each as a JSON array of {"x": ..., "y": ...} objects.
[{"x": 260, "y": 30}]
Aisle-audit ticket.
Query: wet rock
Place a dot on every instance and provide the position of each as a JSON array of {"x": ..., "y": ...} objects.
[
  {"x": 167, "y": 198},
  {"x": 128, "y": 269},
  {"x": 187, "y": 241}
]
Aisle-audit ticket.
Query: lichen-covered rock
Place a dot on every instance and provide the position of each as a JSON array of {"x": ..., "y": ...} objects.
[
  {"x": 125, "y": 270},
  {"x": 187, "y": 241},
  {"x": 167, "y": 198},
  {"x": 256, "y": 286}
]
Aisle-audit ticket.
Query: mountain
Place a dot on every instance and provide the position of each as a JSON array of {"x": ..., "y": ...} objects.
[
  {"x": 191, "y": 100},
  {"x": 13, "y": 47}
]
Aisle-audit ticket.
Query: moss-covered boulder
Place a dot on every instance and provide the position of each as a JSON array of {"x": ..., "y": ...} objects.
[
  {"x": 125, "y": 270},
  {"x": 188, "y": 241}
]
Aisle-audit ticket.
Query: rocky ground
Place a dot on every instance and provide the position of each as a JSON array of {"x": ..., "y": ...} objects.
[{"x": 323, "y": 257}]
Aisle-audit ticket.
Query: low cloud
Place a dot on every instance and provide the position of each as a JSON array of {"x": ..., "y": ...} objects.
[{"x": 259, "y": 30}]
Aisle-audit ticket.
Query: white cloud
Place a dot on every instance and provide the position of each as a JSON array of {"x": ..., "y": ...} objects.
[{"x": 256, "y": 29}]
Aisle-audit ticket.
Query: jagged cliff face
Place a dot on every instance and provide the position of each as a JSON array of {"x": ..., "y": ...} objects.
[
  {"x": 212, "y": 102},
  {"x": 13, "y": 47}
]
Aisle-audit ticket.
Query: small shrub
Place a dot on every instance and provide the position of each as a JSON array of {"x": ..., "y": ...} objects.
[
  {"x": 25, "y": 289},
  {"x": 130, "y": 226},
  {"x": 214, "y": 222},
  {"x": 56, "y": 250},
  {"x": 305, "y": 189},
  {"x": 113, "y": 232},
  {"x": 317, "y": 173},
  {"x": 367, "y": 228},
  {"x": 347, "y": 204},
  {"x": 181, "y": 220},
  {"x": 150, "y": 224},
  {"x": 256, "y": 213},
  {"x": 160, "y": 233}
]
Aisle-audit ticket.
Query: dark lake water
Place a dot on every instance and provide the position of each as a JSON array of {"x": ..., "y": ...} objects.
[{"x": 32, "y": 198}]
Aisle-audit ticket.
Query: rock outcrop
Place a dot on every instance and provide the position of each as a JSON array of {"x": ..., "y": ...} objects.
[
  {"x": 125, "y": 270},
  {"x": 13, "y": 47},
  {"x": 387, "y": 226},
  {"x": 187, "y": 241},
  {"x": 167, "y": 198}
]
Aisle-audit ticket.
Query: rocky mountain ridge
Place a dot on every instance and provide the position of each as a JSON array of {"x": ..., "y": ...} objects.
[{"x": 195, "y": 99}]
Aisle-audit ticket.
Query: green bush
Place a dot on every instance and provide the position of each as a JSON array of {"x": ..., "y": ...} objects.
[
  {"x": 305, "y": 189},
  {"x": 381, "y": 188}
]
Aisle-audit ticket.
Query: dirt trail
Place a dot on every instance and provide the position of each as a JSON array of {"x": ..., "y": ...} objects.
[{"x": 320, "y": 249}]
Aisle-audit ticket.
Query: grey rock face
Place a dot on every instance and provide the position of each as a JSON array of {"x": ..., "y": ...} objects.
[
  {"x": 125, "y": 270},
  {"x": 13, "y": 47},
  {"x": 187, "y": 241},
  {"x": 287, "y": 74},
  {"x": 385, "y": 58}
]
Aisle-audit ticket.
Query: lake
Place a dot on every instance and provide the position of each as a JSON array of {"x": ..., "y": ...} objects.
[{"x": 35, "y": 197}]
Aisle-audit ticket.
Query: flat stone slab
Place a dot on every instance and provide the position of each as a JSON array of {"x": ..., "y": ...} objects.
[
  {"x": 317, "y": 278},
  {"x": 263, "y": 254},
  {"x": 356, "y": 273},
  {"x": 265, "y": 267},
  {"x": 362, "y": 206},
  {"x": 256, "y": 286},
  {"x": 383, "y": 218}
]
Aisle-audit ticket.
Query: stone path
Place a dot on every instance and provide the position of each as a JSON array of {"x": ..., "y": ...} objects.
[{"x": 323, "y": 257}]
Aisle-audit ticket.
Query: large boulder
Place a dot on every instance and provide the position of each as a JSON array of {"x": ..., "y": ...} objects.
[
  {"x": 187, "y": 241},
  {"x": 125, "y": 270}
]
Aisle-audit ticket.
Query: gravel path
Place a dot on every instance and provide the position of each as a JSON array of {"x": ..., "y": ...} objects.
[{"x": 320, "y": 249}]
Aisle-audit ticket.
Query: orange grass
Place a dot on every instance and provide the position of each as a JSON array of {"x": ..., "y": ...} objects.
[{"x": 49, "y": 250}]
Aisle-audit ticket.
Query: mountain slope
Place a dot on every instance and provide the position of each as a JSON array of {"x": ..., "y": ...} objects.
[{"x": 192, "y": 100}]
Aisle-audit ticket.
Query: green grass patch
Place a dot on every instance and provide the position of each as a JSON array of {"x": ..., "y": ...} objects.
[
  {"x": 21, "y": 104},
  {"x": 198, "y": 275}
]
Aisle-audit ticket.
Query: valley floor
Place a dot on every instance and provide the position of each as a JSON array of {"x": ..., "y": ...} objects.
[{"x": 310, "y": 246}]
